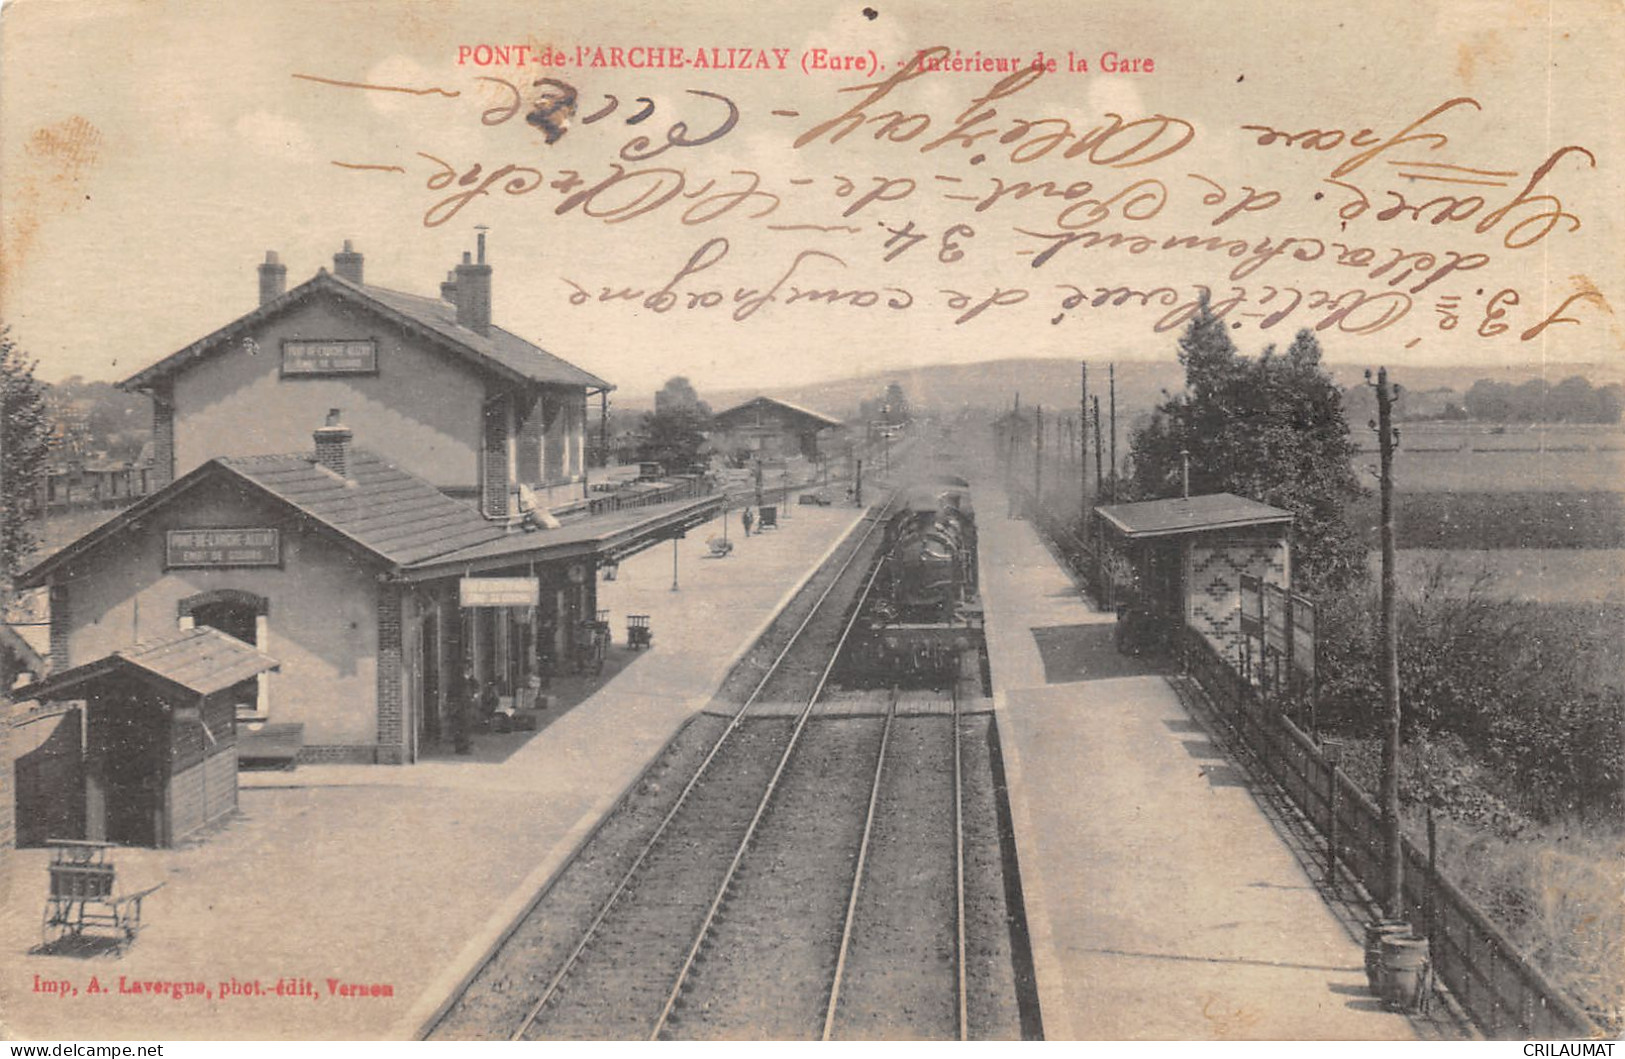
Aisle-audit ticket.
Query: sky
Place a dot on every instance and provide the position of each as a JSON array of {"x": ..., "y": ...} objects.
[{"x": 151, "y": 153}]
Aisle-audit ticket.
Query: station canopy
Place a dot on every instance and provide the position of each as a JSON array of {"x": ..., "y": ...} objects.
[{"x": 1196, "y": 514}]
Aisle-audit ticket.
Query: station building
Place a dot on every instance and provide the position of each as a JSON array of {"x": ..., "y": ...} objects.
[
  {"x": 770, "y": 429},
  {"x": 371, "y": 579},
  {"x": 475, "y": 410},
  {"x": 354, "y": 575}
]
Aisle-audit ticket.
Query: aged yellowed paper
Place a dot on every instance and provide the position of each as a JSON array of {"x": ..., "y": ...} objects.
[{"x": 805, "y": 200}]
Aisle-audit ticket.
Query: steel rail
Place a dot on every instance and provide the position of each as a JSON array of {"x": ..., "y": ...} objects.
[
  {"x": 624, "y": 884},
  {"x": 857, "y": 872},
  {"x": 761, "y": 809},
  {"x": 959, "y": 867}
]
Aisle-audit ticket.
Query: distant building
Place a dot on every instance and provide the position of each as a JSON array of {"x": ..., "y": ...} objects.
[
  {"x": 768, "y": 428},
  {"x": 87, "y": 483},
  {"x": 471, "y": 408}
]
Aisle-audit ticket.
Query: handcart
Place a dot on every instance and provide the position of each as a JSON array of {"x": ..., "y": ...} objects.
[
  {"x": 84, "y": 895},
  {"x": 638, "y": 633}
]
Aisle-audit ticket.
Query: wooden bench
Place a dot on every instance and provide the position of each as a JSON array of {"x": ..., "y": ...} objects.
[{"x": 270, "y": 745}]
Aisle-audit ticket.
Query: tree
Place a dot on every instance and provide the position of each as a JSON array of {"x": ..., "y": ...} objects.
[
  {"x": 1489, "y": 401},
  {"x": 673, "y": 436},
  {"x": 678, "y": 393},
  {"x": 1271, "y": 429},
  {"x": 25, "y": 429},
  {"x": 1610, "y": 401},
  {"x": 1529, "y": 401}
]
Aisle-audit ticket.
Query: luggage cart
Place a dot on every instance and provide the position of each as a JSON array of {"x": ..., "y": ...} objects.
[{"x": 84, "y": 895}]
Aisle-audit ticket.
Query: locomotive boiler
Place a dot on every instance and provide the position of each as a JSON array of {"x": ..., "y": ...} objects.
[{"x": 924, "y": 613}]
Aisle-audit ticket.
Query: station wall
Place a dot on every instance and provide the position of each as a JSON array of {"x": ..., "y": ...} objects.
[
  {"x": 1213, "y": 572},
  {"x": 322, "y": 618},
  {"x": 422, "y": 409}
]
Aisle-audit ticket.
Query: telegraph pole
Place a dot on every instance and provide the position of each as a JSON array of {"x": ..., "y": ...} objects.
[
  {"x": 1112, "y": 378},
  {"x": 1100, "y": 535},
  {"x": 1083, "y": 443},
  {"x": 1387, "y": 438},
  {"x": 1099, "y": 454},
  {"x": 1038, "y": 456}
]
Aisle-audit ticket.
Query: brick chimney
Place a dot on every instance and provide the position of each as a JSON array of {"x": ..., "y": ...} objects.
[
  {"x": 347, "y": 263},
  {"x": 448, "y": 289},
  {"x": 273, "y": 278},
  {"x": 333, "y": 445},
  {"x": 474, "y": 292}
]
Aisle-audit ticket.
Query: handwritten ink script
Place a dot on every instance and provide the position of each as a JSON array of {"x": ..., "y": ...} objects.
[{"x": 973, "y": 185}]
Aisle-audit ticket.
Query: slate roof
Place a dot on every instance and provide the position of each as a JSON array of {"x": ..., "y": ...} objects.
[
  {"x": 435, "y": 319},
  {"x": 721, "y": 418},
  {"x": 1197, "y": 514},
  {"x": 201, "y": 660},
  {"x": 395, "y": 515},
  {"x": 506, "y": 348}
]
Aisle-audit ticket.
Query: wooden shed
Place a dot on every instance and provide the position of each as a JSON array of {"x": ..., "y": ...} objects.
[{"x": 160, "y": 734}]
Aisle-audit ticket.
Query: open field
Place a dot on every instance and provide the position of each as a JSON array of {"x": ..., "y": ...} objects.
[
  {"x": 1475, "y": 457},
  {"x": 1525, "y": 575},
  {"x": 1500, "y": 470},
  {"x": 1457, "y": 519}
]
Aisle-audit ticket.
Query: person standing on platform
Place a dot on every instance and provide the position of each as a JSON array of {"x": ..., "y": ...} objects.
[
  {"x": 463, "y": 706},
  {"x": 748, "y": 519}
]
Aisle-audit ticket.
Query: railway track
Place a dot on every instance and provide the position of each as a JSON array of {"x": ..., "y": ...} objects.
[
  {"x": 809, "y": 878},
  {"x": 616, "y": 981},
  {"x": 906, "y": 909}
]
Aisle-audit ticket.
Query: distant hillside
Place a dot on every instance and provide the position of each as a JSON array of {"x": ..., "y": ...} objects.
[{"x": 1053, "y": 384}]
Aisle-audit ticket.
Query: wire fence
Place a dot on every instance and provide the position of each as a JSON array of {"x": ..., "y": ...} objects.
[{"x": 1498, "y": 986}]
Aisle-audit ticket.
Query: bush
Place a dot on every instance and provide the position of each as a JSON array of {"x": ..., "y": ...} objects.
[{"x": 1515, "y": 683}]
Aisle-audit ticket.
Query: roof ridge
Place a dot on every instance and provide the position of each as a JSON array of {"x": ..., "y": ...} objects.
[{"x": 407, "y": 311}]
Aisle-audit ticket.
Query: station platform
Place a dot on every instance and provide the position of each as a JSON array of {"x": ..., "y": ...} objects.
[
  {"x": 1161, "y": 902},
  {"x": 400, "y": 878}
]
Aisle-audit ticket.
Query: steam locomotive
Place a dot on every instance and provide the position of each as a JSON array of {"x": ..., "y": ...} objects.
[
  {"x": 931, "y": 552},
  {"x": 925, "y": 611}
]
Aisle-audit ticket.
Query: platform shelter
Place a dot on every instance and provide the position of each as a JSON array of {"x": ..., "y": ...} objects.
[{"x": 1180, "y": 561}]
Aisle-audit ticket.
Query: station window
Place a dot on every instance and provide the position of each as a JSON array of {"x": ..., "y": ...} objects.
[{"x": 242, "y": 615}]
